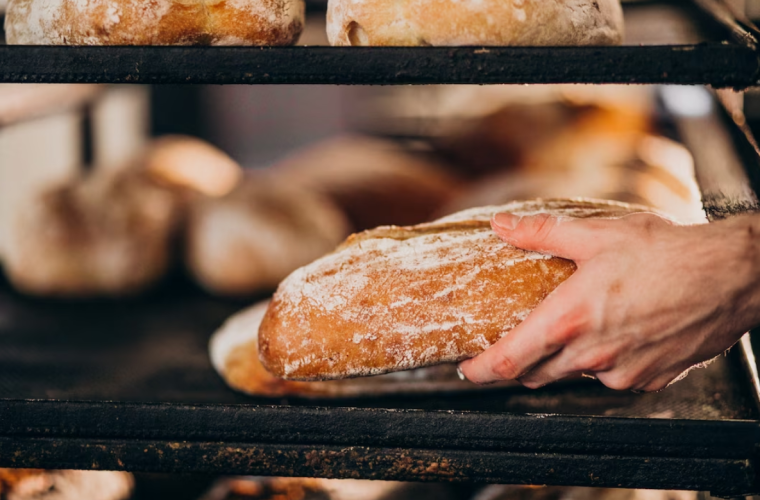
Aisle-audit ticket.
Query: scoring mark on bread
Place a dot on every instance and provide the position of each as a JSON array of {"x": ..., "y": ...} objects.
[{"x": 356, "y": 34}]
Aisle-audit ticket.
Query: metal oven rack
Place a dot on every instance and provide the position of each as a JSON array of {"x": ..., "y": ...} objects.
[
  {"x": 128, "y": 385},
  {"x": 713, "y": 63}
]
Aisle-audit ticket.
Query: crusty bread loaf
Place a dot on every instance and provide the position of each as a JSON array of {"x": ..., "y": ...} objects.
[
  {"x": 31, "y": 484},
  {"x": 395, "y": 298},
  {"x": 251, "y": 239},
  {"x": 108, "y": 234},
  {"x": 155, "y": 22},
  {"x": 234, "y": 351},
  {"x": 485, "y": 22},
  {"x": 374, "y": 181}
]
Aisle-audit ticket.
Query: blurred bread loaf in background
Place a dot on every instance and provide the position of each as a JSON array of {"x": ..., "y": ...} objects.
[
  {"x": 250, "y": 239},
  {"x": 294, "y": 488},
  {"x": 106, "y": 234},
  {"x": 113, "y": 231},
  {"x": 38, "y": 484},
  {"x": 191, "y": 163},
  {"x": 374, "y": 181}
]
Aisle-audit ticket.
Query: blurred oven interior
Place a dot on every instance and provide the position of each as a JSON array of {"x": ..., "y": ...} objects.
[{"x": 489, "y": 145}]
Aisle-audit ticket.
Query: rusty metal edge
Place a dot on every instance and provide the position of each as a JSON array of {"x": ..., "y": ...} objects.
[{"x": 721, "y": 476}]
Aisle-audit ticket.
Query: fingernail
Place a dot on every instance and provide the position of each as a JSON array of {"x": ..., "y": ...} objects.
[
  {"x": 506, "y": 221},
  {"x": 461, "y": 373}
]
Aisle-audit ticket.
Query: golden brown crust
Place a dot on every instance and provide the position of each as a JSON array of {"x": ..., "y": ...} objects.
[
  {"x": 234, "y": 351},
  {"x": 485, "y": 22},
  {"x": 154, "y": 22},
  {"x": 394, "y": 299}
]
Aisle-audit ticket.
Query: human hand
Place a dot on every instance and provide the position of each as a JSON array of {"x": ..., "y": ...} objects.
[{"x": 649, "y": 301}]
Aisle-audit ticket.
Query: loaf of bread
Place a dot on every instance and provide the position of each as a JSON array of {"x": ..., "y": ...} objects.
[
  {"x": 37, "y": 484},
  {"x": 251, "y": 239},
  {"x": 397, "y": 298},
  {"x": 155, "y": 22},
  {"x": 375, "y": 182},
  {"x": 107, "y": 234},
  {"x": 234, "y": 351},
  {"x": 193, "y": 164},
  {"x": 485, "y": 22}
]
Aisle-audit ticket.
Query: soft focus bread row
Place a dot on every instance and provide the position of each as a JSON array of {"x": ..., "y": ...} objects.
[
  {"x": 117, "y": 233},
  {"x": 280, "y": 22}
]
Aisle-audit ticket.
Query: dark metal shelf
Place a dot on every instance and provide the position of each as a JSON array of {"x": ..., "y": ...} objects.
[
  {"x": 716, "y": 64},
  {"x": 128, "y": 385}
]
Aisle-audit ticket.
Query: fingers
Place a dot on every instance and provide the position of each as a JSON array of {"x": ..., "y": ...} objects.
[
  {"x": 574, "y": 359},
  {"x": 569, "y": 238},
  {"x": 553, "y": 369},
  {"x": 573, "y": 239},
  {"x": 541, "y": 335}
]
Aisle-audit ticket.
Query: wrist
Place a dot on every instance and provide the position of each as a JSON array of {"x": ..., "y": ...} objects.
[{"x": 745, "y": 237}]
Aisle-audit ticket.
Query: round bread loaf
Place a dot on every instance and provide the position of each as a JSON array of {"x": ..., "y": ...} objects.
[
  {"x": 396, "y": 298},
  {"x": 251, "y": 239},
  {"x": 109, "y": 234},
  {"x": 154, "y": 22},
  {"x": 234, "y": 351},
  {"x": 482, "y": 22}
]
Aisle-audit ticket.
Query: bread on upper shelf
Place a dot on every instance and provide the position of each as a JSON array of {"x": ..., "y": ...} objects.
[
  {"x": 397, "y": 298},
  {"x": 470, "y": 22},
  {"x": 155, "y": 22}
]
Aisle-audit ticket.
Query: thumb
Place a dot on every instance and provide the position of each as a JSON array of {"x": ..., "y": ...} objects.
[{"x": 565, "y": 237}]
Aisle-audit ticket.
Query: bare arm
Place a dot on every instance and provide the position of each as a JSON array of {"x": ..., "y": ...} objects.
[{"x": 649, "y": 301}]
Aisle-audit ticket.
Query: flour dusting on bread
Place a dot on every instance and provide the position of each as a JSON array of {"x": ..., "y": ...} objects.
[
  {"x": 234, "y": 354},
  {"x": 393, "y": 299}
]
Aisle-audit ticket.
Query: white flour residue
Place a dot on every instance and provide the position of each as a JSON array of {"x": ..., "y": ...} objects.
[{"x": 401, "y": 298}]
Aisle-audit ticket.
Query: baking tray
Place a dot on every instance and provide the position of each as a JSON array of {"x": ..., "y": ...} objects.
[{"x": 729, "y": 60}]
